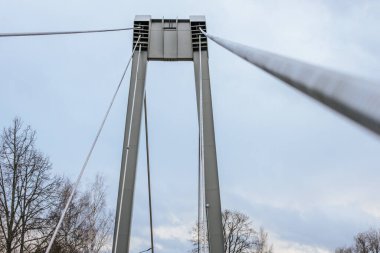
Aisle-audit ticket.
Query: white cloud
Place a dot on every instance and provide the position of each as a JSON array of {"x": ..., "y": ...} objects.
[
  {"x": 283, "y": 246},
  {"x": 173, "y": 232},
  {"x": 139, "y": 244},
  {"x": 291, "y": 164}
]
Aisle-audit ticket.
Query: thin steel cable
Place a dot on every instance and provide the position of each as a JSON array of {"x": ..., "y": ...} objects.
[
  {"x": 201, "y": 151},
  {"x": 63, "y": 32},
  {"x": 199, "y": 169},
  {"x": 148, "y": 173},
  {"x": 127, "y": 154},
  {"x": 145, "y": 250},
  {"x": 199, "y": 190},
  {"x": 202, "y": 168},
  {"x": 89, "y": 155}
]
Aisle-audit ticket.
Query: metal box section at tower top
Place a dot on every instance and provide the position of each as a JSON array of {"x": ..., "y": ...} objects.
[{"x": 170, "y": 39}]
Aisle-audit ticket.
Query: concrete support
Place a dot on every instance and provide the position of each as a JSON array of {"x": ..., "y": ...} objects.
[
  {"x": 122, "y": 232},
  {"x": 214, "y": 216}
]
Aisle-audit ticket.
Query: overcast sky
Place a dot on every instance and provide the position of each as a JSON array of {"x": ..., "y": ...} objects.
[{"x": 309, "y": 176}]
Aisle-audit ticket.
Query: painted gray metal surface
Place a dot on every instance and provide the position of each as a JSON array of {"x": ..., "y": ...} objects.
[
  {"x": 168, "y": 40},
  {"x": 353, "y": 97},
  {"x": 121, "y": 239},
  {"x": 214, "y": 216}
]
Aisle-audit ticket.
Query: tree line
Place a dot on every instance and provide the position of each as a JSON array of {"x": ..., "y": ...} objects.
[
  {"x": 32, "y": 199},
  {"x": 239, "y": 235},
  {"x": 364, "y": 242}
]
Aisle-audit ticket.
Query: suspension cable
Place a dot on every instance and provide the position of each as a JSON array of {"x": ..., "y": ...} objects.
[
  {"x": 199, "y": 190},
  {"x": 202, "y": 201},
  {"x": 89, "y": 154},
  {"x": 148, "y": 173},
  {"x": 199, "y": 162},
  {"x": 129, "y": 140},
  {"x": 64, "y": 32},
  {"x": 146, "y": 250},
  {"x": 353, "y": 97}
]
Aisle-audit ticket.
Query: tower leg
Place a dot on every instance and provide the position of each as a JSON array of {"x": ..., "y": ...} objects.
[
  {"x": 121, "y": 239},
  {"x": 214, "y": 215}
]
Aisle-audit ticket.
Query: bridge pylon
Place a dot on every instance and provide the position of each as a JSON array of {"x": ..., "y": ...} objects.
[{"x": 168, "y": 40}]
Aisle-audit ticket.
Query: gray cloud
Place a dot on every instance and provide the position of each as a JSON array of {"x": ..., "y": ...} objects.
[{"x": 303, "y": 172}]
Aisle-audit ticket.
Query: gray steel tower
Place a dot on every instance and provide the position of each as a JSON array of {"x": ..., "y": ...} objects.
[{"x": 168, "y": 40}]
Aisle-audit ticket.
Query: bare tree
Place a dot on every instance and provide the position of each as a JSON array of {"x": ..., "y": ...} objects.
[
  {"x": 373, "y": 238},
  {"x": 26, "y": 189},
  {"x": 87, "y": 224},
  {"x": 263, "y": 245},
  {"x": 344, "y": 250},
  {"x": 239, "y": 235},
  {"x": 101, "y": 220},
  {"x": 364, "y": 242}
]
